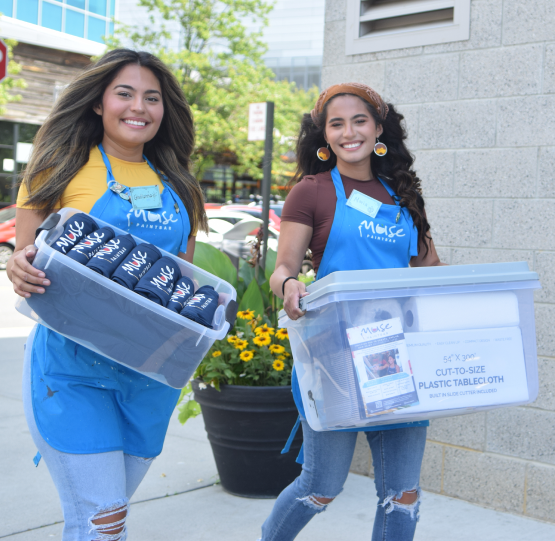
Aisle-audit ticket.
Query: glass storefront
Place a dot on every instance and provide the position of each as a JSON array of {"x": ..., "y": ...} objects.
[
  {"x": 15, "y": 140},
  {"x": 304, "y": 71},
  {"x": 90, "y": 19}
]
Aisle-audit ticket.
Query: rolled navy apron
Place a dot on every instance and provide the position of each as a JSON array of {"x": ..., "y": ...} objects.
[
  {"x": 76, "y": 228},
  {"x": 86, "y": 249},
  {"x": 158, "y": 283},
  {"x": 201, "y": 307},
  {"x": 136, "y": 265},
  {"x": 182, "y": 292},
  {"x": 111, "y": 255}
]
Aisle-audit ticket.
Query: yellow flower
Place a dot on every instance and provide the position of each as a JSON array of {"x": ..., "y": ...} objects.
[
  {"x": 232, "y": 339},
  {"x": 281, "y": 358},
  {"x": 241, "y": 344},
  {"x": 281, "y": 334},
  {"x": 264, "y": 330},
  {"x": 277, "y": 349},
  {"x": 287, "y": 354},
  {"x": 278, "y": 365},
  {"x": 246, "y": 314},
  {"x": 216, "y": 353},
  {"x": 246, "y": 356},
  {"x": 262, "y": 340}
]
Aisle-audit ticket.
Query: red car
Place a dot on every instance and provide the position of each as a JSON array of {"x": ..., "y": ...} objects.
[
  {"x": 275, "y": 220},
  {"x": 7, "y": 234}
]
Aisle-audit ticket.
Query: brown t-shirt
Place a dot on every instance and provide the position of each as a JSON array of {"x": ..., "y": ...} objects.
[{"x": 312, "y": 202}]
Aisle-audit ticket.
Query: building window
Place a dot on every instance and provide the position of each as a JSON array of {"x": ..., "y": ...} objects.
[
  {"x": 82, "y": 18},
  {"x": 383, "y": 25},
  {"x": 304, "y": 71},
  {"x": 15, "y": 148},
  {"x": 51, "y": 16}
]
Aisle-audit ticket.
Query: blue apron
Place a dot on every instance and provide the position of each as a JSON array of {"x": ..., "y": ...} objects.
[
  {"x": 85, "y": 403},
  {"x": 358, "y": 242}
]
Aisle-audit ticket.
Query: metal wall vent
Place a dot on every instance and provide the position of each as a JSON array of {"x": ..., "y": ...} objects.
[{"x": 381, "y": 25}]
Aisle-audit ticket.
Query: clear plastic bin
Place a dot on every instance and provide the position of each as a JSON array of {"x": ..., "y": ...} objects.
[
  {"x": 398, "y": 345},
  {"x": 116, "y": 322}
]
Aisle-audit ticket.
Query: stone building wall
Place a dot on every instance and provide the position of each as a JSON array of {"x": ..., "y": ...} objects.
[{"x": 480, "y": 116}]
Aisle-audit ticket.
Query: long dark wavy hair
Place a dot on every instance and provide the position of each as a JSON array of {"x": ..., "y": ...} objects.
[
  {"x": 63, "y": 143},
  {"x": 395, "y": 167}
]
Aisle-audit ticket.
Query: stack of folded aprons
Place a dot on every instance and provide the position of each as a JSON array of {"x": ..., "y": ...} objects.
[{"x": 138, "y": 267}]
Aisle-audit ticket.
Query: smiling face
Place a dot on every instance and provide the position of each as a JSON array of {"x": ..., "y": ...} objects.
[
  {"x": 132, "y": 110},
  {"x": 351, "y": 133}
]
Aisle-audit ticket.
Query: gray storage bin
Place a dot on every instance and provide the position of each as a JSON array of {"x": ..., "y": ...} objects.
[
  {"x": 458, "y": 339},
  {"x": 116, "y": 322}
]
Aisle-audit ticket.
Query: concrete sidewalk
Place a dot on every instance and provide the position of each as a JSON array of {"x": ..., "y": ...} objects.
[{"x": 179, "y": 499}]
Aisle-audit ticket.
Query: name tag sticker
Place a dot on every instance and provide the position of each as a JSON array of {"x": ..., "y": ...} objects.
[
  {"x": 146, "y": 197},
  {"x": 363, "y": 203}
]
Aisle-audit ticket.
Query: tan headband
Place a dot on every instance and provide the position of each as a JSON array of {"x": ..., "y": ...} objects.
[{"x": 362, "y": 91}]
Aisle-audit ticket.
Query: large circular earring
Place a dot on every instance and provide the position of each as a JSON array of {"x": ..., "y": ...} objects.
[
  {"x": 324, "y": 153},
  {"x": 379, "y": 148}
]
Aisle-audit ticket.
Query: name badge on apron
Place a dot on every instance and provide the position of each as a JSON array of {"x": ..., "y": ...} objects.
[
  {"x": 145, "y": 197},
  {"x": 364, "y": 203}
]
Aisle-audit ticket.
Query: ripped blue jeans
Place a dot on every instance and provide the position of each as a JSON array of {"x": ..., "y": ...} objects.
[
  {"x": 92, "y": 487},
  {"x": 397, "y": 458}
]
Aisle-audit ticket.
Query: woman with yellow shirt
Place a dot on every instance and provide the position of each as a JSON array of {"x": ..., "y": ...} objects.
[{"x": 97, "y": 424}]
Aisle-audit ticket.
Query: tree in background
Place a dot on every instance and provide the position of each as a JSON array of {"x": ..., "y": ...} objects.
[
  {"x": 8, "y": 85},
  {"x": 219, "y": 64}
]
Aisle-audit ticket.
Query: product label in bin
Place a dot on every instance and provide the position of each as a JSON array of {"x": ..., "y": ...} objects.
[
  {"x": 382, "y": 366},
  {"x": 470, "y": 368}
]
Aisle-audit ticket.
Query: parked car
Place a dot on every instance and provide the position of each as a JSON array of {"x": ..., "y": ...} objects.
[
  {"x": 276, "y": 207},
  {"x": 274, "y": 219},
  {"x": 7, "y": 235},
  {"x": 231, "y": 232}
]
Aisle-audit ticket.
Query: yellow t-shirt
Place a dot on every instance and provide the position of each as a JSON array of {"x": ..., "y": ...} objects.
[{"x": 89, "y": 184}]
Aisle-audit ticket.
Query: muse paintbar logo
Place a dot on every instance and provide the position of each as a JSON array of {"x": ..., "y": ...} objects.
[
  {"x": 106, "y": 253},
  {"x": 138, "y": 264},
  {"x": 108, "y": 248},
  {"x": 151, "y": 220},
  {"x": 164, "y": 280},
  {"x": 383, "y": 233},
  {"x": 375, "y": 329},
  {"x": 199, "y": 301},
  {"x": 182, "y": 291},
  {"x": 94, "y": 239},
  {"x": 71, "y": 237}
]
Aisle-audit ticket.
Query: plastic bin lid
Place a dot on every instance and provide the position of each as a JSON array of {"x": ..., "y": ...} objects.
[{"x": 448, "y": 275}]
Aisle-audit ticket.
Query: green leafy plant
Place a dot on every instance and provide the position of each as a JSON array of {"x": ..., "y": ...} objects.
[
  {"x": 255, "y": 352},
  {"x": 251, "y": 281}
]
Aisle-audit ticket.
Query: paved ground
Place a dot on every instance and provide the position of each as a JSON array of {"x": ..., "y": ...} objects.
[{"x": 179, "y": 499}]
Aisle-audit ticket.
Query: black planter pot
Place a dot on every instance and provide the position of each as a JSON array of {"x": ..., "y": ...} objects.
[{"x": 247, "y": 428}]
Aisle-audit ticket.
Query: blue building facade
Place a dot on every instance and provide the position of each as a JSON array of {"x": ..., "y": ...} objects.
[{"x": 88, "y": 19}]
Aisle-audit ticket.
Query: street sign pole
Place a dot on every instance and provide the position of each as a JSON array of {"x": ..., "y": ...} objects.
[
  {"x": 15, "y": 175},
  {"x": 267, "y": 171}
]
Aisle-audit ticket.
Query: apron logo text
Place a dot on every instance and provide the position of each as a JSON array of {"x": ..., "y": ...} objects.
[{"x": 383, "y": 233}]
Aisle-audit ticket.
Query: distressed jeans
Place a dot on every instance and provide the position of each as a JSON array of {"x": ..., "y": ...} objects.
[
  {"x": 90, "y": 486},
  {"x": 397, "y": 458}
]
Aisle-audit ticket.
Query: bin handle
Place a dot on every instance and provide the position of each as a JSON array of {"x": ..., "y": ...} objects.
[
  {"x": 231, "y": 313},
  {"x": 48, "y": 224}
]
